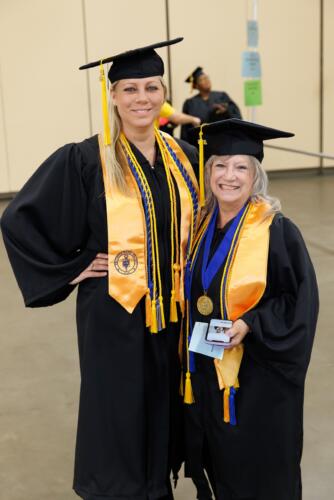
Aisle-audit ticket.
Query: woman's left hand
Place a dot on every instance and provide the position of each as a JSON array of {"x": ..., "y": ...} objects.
[{"x": 237, "y": 333}]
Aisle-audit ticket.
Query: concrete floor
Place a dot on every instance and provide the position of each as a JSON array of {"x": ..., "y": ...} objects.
[{"x": 39, "y": 374}]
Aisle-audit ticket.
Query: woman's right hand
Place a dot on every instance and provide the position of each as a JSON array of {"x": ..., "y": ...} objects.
[{"x": 98, "y": 268}]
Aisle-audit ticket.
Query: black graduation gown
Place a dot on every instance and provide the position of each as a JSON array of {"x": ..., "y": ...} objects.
[
  {"x": 204, "y": 109},
  {"x": 129, "y": 378},
  {"x": 259, "y": 458}
]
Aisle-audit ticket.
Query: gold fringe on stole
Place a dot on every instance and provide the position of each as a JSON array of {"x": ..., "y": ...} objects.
[
  {"x": 226, "y": 405},
  {"x": 188, "y": 390},
  {"x": 104, "y": 98}
]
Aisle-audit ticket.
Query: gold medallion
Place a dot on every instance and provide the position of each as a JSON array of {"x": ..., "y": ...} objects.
[{"x": 204, "y": 305}]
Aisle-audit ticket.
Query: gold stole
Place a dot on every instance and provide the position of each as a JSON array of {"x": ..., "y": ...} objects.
[
  {"x": 246, "y": 283},
  {"x": 127, "y": 259}
]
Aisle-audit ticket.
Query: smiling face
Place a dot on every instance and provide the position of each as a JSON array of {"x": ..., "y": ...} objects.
[
  {"x": 231, "y": 181},
  {"x": 138, "y": 101}
]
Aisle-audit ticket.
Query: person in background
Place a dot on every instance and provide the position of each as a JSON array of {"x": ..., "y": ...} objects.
[
  {"x": 170, "y": 118},
  {"x": 249, "y": 267},
  {"x": 208, "y": 105},
  {"x": 113, "y": 214}
]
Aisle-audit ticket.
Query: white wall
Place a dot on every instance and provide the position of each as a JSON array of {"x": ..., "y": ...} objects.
[
  {"x": 41, "y": 43},
  {"x": 289, "y": 48},
  {"x": 47, "y": 101},
  {"x": 4, "y": 171},
  {"x": 116, "y": 26},
  {"x": 329, "y": 80}
]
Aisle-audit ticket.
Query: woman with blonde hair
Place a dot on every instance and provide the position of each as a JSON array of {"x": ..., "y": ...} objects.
[
  {"x": 116, "y": 214},
  {"x": 249, "y": 274}
]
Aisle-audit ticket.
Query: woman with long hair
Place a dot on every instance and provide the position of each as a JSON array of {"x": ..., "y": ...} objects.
[{"x": 116, "y": 214}]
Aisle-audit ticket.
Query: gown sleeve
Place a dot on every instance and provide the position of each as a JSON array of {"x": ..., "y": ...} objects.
[
  {"x": 45, "y": 229},
  {"x": 283, "y": 323},
  {"x": 232, "y": 111}
]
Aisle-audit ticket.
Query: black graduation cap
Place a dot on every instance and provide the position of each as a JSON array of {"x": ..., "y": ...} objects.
[
  {"x": 137, "y": 63},
  {"x": 237, "y": 137},
  {"x": 194, "y": 75},
  {"x": 231, "y": 137}
]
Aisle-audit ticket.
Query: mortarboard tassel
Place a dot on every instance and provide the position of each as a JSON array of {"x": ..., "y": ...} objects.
[
  {"x": 106, "y": 126},
  {"x": 201, "y": 143},
  {"x": 233, "y": 419},
  {"x": 188, "y": 390},
  {"x": 226, "y": 405},
  {"x": 148, "y": 311}
]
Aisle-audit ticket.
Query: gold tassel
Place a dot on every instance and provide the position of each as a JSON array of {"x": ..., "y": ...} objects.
[
  {"x": 201, "y": 143},
  {"x": 181, "y": 385},
  {"x": 188, "y": 391},
  {"x": 173, "y": 309},
  {"x": 177, "y": 268},
  {"x": 154, "y": 323},
  {"x": 106, "y": 126},
  {"x": 226, "y": 405},
  {"x": 162, "y": 312},
  {"x": 148, "y": 311}
]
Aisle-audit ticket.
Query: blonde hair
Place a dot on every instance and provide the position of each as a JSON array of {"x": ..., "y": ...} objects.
[
  {"x": 115, "y": 159},
  {"x": 259, "y": 188}
]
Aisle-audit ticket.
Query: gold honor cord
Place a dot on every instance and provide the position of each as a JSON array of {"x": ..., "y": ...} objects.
[
  {"x": 187, "y": 231},
  {"x": 174, "y": 235},
  {"x": 150, "y": 307},
  {"x": 188, "y": 392},
  {"x": 245, "y": 274},
  {"x": 188, "y": 396},
  {"x": 157, "y": 288},
  {"x": 229, "y": 263},
  {"x": 130, "y": 249}
]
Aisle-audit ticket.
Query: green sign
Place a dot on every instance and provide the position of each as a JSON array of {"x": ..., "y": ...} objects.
[{"x": 253, "y": 92}]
